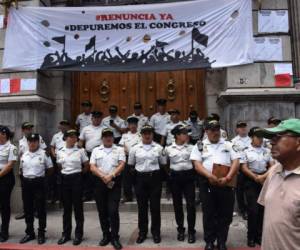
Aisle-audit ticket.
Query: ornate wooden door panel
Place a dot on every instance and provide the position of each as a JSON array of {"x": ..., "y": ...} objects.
[{"x": 184, "y": 90}]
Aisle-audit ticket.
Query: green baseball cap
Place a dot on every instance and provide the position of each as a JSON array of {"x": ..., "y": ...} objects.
[{"x": 290, "y": 125}]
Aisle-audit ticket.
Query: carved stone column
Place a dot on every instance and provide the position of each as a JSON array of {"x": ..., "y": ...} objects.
[{"x": 294, "y": 12}]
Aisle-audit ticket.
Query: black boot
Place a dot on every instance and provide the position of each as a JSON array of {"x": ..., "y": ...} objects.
[
  {"x": 116, "y": 244},
  {"x": 105, "y": 240}
]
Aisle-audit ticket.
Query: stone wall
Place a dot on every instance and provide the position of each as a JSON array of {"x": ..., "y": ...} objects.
[{"x": 250, "y": 93}]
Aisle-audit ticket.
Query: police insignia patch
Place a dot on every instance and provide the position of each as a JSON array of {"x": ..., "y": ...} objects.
[
  {"x": 15, "y": 152},
  {"x": 200, "y": 146},
  {"x": 235, "y": 148}
]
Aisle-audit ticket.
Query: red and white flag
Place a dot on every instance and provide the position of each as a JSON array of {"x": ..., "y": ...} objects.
[
  {"x": 16, "y": 85},
  {"x": 283, "y": 74}
]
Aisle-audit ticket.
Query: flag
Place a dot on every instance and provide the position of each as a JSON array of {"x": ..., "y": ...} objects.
[
  {"x": 60, "y": 39},
  {"x": 91, "y": 44},
  {"x": 161, "y": 44},
  {"x": 16, "y": 85},
  {"x": 283, "y": 74},
  {"x": 199, "y": 38},
  {"x": 283, "y": 80}
]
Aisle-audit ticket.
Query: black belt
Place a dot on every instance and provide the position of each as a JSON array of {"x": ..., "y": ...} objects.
[
  {"x": 151, "y": 173},
  {"x": 34, "y": 179},
  {"x": 69, "y": 176},
  {"x": 182, "y": 172}
]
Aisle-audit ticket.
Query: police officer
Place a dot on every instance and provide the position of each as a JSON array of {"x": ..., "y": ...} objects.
[
  {"x": 115, "y": 123},
  {"x": 128, "y": 140},
  {"x": 174, "y": 121},
  {"x": 84, "y": 119},
  {"x": 71, "y": 159},
  {"x": 90, "y": 138},
  {"x": 217, "y": 162},
  {"x": 216, "y": 117},
  {"x": 8, "y": 156},
  {"x": 143, "y": 120},
  {"x": 241, "y": 142},
  {"x": 160, "y": 120},
  {"x": 34, "y": 164},
  {"x": 146, "y": 157},
  {"x": 57, "y": 143},
  {"x": 107, "y": 162},
  {"x": 196, "y": 127},
  {"x": 256, "y": 162},
  {"x": 182, "y": 181},
  {"x": 27, "y": 129}
]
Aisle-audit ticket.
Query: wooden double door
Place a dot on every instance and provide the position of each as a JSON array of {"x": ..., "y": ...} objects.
[{"x": 184, "y": 90}]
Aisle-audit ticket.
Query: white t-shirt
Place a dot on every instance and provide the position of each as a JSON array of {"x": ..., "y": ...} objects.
[
  {"x": 83, "y": 120},
  {"x": 92, "y": 137},
  {"x": 8, "y": 152},
  {"x": 159, "y": 122}
]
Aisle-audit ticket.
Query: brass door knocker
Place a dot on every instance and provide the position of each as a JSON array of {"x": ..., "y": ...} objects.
[{"x": 104, "y": 91}]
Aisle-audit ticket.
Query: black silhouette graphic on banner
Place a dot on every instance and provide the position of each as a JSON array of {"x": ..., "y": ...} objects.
[{"x": 156, "y": 58}]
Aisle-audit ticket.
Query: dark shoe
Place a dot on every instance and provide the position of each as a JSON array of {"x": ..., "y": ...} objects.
[
  {"x": 41, "y": 239},
  {"x": 156, "y": 239},
  {"x": 63, "y": 240},
  {"x": 77, "y": 241},
  {"x": 258, "y": 241},
  {"x": 222, "y": 246},
  {"x": 141, "y": 239},
  {"x": 198, "y": 202},
  {"x": 191, "y": 238},
  {"x": 116, "y": 244},
  {"x": 20, "y": 216},
  {"x": 3, "y": 238},
  {"x": 251, "y": 243},
  {"x": 87, "y": 198},
  {"x": 180, "y": 236},
  {"x": 124, "y": 200},
  {"x": 105, "y": 241},
  {"x": 209, "y": 246},
  {"x": 245, "y": 216},
  {"x": 27, "y": 238}
]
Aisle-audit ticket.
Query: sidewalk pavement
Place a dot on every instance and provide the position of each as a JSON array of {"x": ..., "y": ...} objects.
[{"x": 128, "y": 233}]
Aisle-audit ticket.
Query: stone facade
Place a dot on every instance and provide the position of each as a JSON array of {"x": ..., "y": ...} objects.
[{"x": 237, "y": 93}]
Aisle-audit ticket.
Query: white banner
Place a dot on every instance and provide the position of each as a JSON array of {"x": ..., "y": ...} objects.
[{"x": 188, "y": 34}]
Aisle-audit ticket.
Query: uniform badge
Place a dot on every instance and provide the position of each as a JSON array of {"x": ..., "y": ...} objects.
[
  {"x": 236, "y": 148},
  {"x": 163, "y": 153},
  {"x": 200, "y": 146},
  {"x": 15, "y": 152}
]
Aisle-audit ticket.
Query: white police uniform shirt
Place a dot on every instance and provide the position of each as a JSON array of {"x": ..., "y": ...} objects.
[
  {"x": 257, "y": 159},
  {"x": 179, "y": 156},
  {"x": 83, "y": 120},
  {"x": 92, "y": 136},
  {"x": 118, "y": 121},
  {"x": 129, "y": 139},
  {"x": 8, "y": 152},
  {"x": 146, "y": 157},
  {"x": 107, "y": 159},
  {"x": 167, "y": 131},
  {"x": 57, "y": 141},
  {"x": 196, "y": 128},
  {"x": 241, "y": 143},
  {"x": 143, "y": 120},
  {"x": 23, "y": 145},
  {"x": 159, "y": 122},
  {"x": 223, "y": 135},
  {"x": 71, "y": 159},
  {"x": 214, "y": 153},
  {"x": 34, "y": 164}
]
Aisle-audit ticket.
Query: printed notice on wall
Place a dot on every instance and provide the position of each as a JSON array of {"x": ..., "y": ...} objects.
[
  {"x": 273, "y": 21},
  {"x": 267, "y": 49}
]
